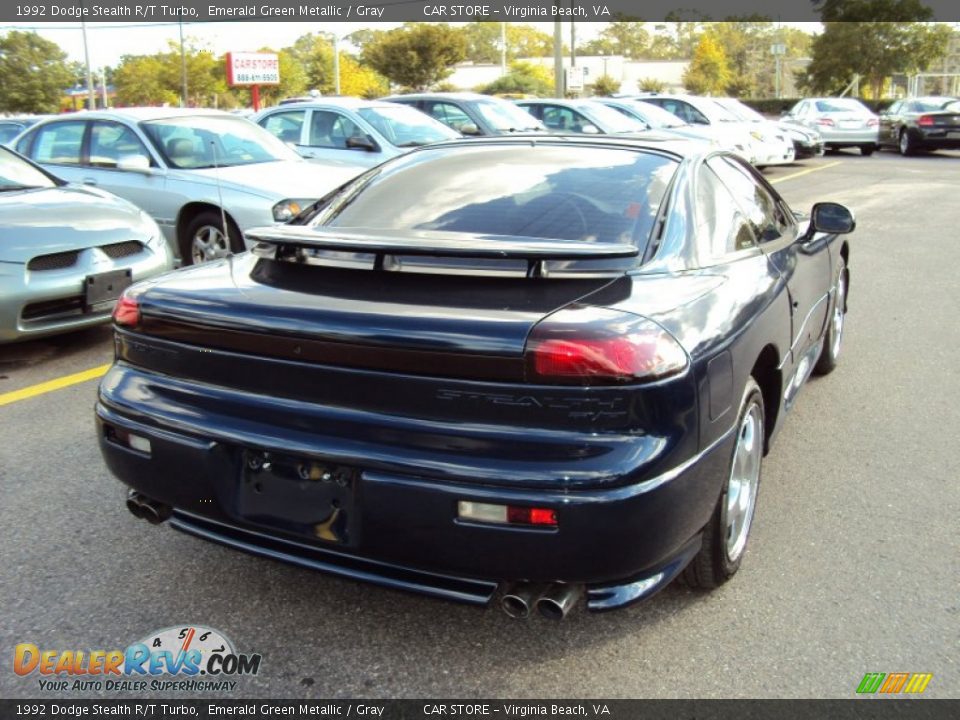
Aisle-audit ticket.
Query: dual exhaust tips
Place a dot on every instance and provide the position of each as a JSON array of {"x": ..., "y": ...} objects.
[
  {"x": 146, "y": 509},
  {"x": 552, "y": 601}
]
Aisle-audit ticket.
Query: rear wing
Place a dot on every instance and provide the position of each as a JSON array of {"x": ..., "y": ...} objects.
[{"x": 278, "y": 242}]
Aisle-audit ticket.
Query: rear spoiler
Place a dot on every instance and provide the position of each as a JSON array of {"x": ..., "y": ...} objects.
[{"x": 271, "y": 242}]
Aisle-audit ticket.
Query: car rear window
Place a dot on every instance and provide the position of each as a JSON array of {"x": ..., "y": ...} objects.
[{"x": 591, "y": 194}]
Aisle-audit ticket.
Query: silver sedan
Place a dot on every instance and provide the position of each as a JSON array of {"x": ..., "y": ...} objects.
[
  {"x": 841, "y": 122},
  {"x": 205, "y": 176},
  {"x": 66, "y": 252}
]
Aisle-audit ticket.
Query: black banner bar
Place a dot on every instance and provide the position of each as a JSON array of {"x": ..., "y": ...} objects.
[
  {"x": 59, "y": 11},
  {"x": 857, "y": 709}
]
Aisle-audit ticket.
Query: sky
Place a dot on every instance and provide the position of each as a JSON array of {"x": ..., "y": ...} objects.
[{"x": 108, "y": 42}]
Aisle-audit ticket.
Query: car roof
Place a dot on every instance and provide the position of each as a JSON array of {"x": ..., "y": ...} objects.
[
  {"x": 347, "y": 103},
  {"x": 680, "y": 148},
  {"x": 461, "y": 95},
  {"x": 139, "y": 114}
]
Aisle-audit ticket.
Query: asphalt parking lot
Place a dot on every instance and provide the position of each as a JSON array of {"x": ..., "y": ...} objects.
[{"x": 853, "y": 566}]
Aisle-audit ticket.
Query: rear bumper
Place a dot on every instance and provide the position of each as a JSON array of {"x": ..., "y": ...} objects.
[
  {"x": 946, "y": 139},
  {"x": 624, "y": 543}
]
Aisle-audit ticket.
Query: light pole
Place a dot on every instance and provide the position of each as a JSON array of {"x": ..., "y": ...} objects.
[
  {"x": 557, "y": 59},
  {"x": 336, "y": 64},
  {"x": 183, "y": 69},
  {"x": 91, "y": 97}
]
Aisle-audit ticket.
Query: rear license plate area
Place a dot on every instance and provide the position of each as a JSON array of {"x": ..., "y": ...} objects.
[
  {"x": 100, "y": 291},
  {"x": 310, "y": 498}
]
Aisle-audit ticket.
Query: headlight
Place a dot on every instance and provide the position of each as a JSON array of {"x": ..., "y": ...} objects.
[
  {"x": 288, "y": 209},
  {"x": 756, "y": 135}
]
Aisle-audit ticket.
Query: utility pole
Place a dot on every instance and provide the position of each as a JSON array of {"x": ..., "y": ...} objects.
[
  {"x": 557, "y": 59},
  {"x": 91, "y": 97},
  {"x": 336, "y": 64},
  {"x": 183, "y": 70},
  {"x": 503, "y": 48}
]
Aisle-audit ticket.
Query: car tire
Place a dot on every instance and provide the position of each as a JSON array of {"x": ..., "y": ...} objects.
[
  {"x": 203, "y": 239},
  {"x": 725, "y": 536},
  {"x": 867, "y": 150},
  {"x": 907, "y": 145},
  {"x": 833, "y": 337}
]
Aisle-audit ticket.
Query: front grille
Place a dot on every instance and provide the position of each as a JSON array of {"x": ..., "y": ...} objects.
[
  {"x": 122, "y": 249},
  {"x": 50, "y": 309},
  {"x": 54, "y": 261}
]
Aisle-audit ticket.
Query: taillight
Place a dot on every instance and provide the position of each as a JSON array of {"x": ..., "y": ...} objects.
[
  {"x": 127, "y": 311},
  {"x": 506, "y": 514},
  {"x": 826, "y": 122},
  {"x": 595, "y": 346},
  {"x": 873, "y": 122},
  {"x": 925, "y": 121}
]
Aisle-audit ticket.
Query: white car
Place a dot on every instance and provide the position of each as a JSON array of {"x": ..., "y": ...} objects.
[
  {"x": 350, "y": 131},
  {"x": 188, "y": 169},
  {"x": 773, "y": 144},
  {"x": 705, "y": 111}
]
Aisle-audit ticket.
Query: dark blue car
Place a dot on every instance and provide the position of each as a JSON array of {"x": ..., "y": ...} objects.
[{"x": 539, "y": 369}]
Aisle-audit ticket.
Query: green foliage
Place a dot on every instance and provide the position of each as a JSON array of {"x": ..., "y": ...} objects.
[
  {"x": 604, "y": 86},
  {"x": 649, "y": 84},
  {"x": 144, "y": 80},
  {"x": 416, "y": 55},
  {"x": 34, "y": 71},
  {"x": 629, "y": 39},
  {"x": 483, "y": 42},
  {"x": 873, "y": 39},
  {"x": 524, "y": 78},
  {"x": 708, "y": 73}
]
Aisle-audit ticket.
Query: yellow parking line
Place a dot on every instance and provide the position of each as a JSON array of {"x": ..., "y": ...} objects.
[
  {"x": 55, "y": 384},
  {"x": 805, "y": 172}
]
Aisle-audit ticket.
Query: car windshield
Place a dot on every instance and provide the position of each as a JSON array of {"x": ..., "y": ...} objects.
[
  {"x": 17, "y": 174},
  {"x": 506, "y": 116},
  {"x": 655, "y": 116},
  {"x": 590, "y": 194},
  {"x": 841, "y": 105},
  {"x": 934, "y": 104},
  {"x": 195, "y": 142},
  {"x": 610, "y": 120},
  {"x": 403, "y": 126},
  {"x": 741, "y": 111},
  {"x": 953, "y": 107}
]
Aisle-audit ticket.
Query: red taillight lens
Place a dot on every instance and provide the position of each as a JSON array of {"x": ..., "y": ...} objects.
[
  {"x": 826, "y": 122},
  {"x": 127, "y": 311},
  {"x": 584, "y": 347},
  {"x": 925, "y": 121}
]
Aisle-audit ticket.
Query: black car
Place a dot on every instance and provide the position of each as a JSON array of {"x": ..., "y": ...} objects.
[
  {"x": 472, "y": 113},
  {"x": 924, "y": 123},
  {"x": 555, "y": 379}
]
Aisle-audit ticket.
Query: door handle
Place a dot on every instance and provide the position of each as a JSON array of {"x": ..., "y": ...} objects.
[{"x": 89, "y": 181}]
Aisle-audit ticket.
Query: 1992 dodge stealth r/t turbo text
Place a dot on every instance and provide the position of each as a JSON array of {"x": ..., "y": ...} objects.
[{"x": 541, "y": 369}]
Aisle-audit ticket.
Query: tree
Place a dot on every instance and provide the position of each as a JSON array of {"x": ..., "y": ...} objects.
[
  {"x": 605, "y": 86},
  {"x": 34, "y": 71},
  {"x": 707, "y": 73},
  {"x": 157, "y": 79},
  {"x": 873, "y": 39},
  {"x": 141, "y": 80},
  {"x": 524, "y": 78},
  {"x": 483, "y": 42},
  {"x": 416, "y": 55}
]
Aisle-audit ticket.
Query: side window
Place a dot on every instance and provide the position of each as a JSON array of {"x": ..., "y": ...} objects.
[
  {"x": 722, "y": 227},
  {"x": 767, "y": 218},
  {"x": 689, "y": 113},
  {"x": 111, "y": 141},
  {"x": 285, "y": 125},
  {"x": 59, "y": 143},
  {"x": 563, "y": 119},
  {"x": 449, "y": 115},
  {"x": 535, "y": 110},
  {"x": 895, "y": 108},
  {"x": 331, "y": 130}
]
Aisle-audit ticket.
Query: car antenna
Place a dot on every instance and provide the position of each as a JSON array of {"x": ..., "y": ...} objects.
[{"x": 223, "y": 213}]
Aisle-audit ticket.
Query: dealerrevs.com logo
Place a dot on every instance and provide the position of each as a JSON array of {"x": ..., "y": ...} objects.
[{"x": 183, "y": 658}]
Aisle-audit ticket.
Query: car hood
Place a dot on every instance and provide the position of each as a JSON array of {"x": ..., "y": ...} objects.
[
  {"x": 277, "y": 180},
  {"x": 50, "y": 220}
]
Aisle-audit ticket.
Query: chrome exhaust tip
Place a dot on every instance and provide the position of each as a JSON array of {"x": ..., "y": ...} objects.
[
  {"x": 558, "y": 600},
  {"x": 144, "y": 508},
  {"x": 518, "y": 599}
]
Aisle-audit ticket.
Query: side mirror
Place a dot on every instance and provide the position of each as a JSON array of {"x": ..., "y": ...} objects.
[
  {"x": 469, "y": 128},
  {"x": 360, "y": 142},
  {"x": 832, "y": 218},
  {"x": 134, "y": 163}
]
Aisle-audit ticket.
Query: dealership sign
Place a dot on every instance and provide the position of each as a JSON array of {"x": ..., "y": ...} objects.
[{"x": 248, "y": 68}]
